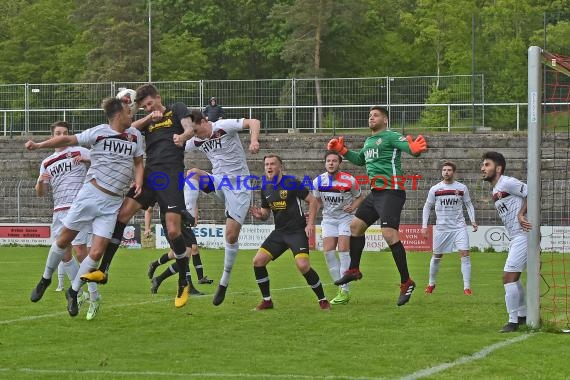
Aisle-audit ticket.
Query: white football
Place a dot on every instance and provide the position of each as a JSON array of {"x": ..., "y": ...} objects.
[{"x": 127, "y": 96}]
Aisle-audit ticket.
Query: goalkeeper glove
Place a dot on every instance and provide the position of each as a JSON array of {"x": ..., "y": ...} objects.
[
  {"x": 338, "y": 145},
  {"x": 417, "y": 146}
]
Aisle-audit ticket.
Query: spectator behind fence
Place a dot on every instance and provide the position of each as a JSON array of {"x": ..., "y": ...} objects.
[{"x": 213, "y": 110}]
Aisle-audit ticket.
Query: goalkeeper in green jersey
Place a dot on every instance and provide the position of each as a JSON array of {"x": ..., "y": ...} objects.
[{"x": 381, "y": 155}]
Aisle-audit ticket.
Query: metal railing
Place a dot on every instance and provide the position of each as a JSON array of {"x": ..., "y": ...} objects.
[{"x": 283, "y": 104}]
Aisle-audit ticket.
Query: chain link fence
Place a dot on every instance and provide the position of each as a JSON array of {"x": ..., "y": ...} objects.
[{"x": 283, "y": 105}]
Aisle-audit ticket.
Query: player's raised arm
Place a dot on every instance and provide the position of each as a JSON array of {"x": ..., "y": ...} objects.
[
  {"x": 254, "y": 127},
  {"x": 54, "y": 142}
]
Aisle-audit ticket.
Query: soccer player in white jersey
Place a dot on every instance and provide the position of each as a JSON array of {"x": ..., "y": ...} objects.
[
  {"x": 509, "y": 196},
  {"x": 220, "y": 142},
  {"x": 340, "y": 196},
  {"x": 450, "y": 235},
  {"x": 64, "y": 170},
  {"x": 116, "y": 152}
]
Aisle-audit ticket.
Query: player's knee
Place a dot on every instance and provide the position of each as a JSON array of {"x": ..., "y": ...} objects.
[
  {"x": 232, "y": 237},
  {"x": 303, "y": 265},
  {"x": 391, "y": 235},
  {"x": 357, "y": 227},
  {"x": 173, "y": 234},
  {"x": 260, "y": 259}
]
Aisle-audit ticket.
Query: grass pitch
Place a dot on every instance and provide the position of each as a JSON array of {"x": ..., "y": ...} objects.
[{"x": 137, "y": 335}]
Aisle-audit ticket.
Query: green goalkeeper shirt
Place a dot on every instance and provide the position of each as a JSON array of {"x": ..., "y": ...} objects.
[{"x": 381, "y": 155}]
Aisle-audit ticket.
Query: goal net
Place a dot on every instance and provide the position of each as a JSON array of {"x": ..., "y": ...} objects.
[{"x": 549, "y": 190}]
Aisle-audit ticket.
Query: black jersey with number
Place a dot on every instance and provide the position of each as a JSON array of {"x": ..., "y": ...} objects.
[
  {"x": 161, "y": 152},
  {"x": 284, "y": 199}
]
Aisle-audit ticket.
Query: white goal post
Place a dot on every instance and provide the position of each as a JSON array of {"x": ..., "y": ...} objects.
[{"x": 535, "y": 60}]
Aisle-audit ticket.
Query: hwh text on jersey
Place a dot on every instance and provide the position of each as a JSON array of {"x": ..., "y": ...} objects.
[
  {"x": 60, "y": 168},
  {"x": 333, "y": 199},
  {"x": 211, "y": 144},
  {"x": 449, "y": 201},
  {"x": 117, "y": 147}
]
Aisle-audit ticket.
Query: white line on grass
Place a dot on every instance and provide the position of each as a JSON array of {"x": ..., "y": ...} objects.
[
  {"x": 203, "y": 374},
  {"x": 465, "y": 359},
  {"x": 112, "y": 306}
]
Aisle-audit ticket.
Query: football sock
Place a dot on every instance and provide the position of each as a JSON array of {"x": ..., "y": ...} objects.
[
  {"x": 191, "y": 195},
  {"x": 466, "y": 271},
  {"x": 70, "y": 268},
  {"x": 230, "y": 255},
  {"x": 61, "y": 274},
  {"x": 399, "y": 255},
  {"x": 87, "y": 265},
  {"x": 54, "y": 258},
  {"x": 262, "y": 278},
  {"x": 512, "y": 301},
  {"x": 93, "y": 291},
  {"x": 356, "y": 247},
  {"x": 522, "y": 304},
  {"x": 162, "y": 259},
  {"x": 315, "y": 283},
  {"x": 333, "y": 264},
  {"x": 344, "y": 258},
  {"x": 183, "y": 270},
  {"x": 178, "y": 246},
  {"x": 112, "y": 247},
  {"x": 433, "y": 269},
  {"x": 170, "y": 271},
  {"x": 197, "y": 262}
]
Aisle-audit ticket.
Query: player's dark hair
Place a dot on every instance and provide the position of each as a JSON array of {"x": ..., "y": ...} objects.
[
  {"x": 271, "y": 155},
  {"x": 382, "y": 110},
  {"x": 144, "y": 91},
  {"x": 112, "y": 107},
  {"x": 450, "y": 164},
  {"x": 333, "y": 152},
  {"x": 197, "y": 116},
  {"x": 59, "y": 123},
  {"x": 497, "y": 158}
]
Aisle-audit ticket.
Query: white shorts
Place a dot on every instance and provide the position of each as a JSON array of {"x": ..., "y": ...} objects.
[
  {"x": 93, "y": 209},
  {"x": 83, "y": 237},
  {"x": 236, "y": 198},
  {"x": 335, "y": 227},
  {"x": 450, "y": 241},
  {"x": 516, "y": 259}
]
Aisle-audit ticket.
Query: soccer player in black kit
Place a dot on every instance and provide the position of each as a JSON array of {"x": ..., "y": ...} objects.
[
  {"x": 166, "y": 129},
  {"x": 282, "y": 195}
]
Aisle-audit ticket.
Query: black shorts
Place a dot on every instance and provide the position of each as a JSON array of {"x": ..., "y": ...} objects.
[
  {"x": 162, "y": 187},
  {"x": 383, "y": 205},
  {"x": 187, "y": 234},
  {"x": 279, "y": 241}
]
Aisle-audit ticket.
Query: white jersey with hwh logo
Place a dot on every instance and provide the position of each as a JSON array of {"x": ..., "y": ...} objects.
[
  {"x": 449, "y": 200},
  {"x": 66, "y": 175},
  {"x": 112, "y": 156},
  {"x": 508, "y": 195},
  {"x": 335, "y": 191},
  {"x": 223, "y": 148}
]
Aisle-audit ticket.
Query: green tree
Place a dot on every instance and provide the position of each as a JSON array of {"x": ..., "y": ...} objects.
[
  {"x": 238, "y": 44},
  {"x": 116, "y": 31},
  {"x": 34, "y": 37}
]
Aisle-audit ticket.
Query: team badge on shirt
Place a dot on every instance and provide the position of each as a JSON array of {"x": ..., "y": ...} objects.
[
  {"x": 379, "y": 141},
  {"x": 283, "y": 194}
]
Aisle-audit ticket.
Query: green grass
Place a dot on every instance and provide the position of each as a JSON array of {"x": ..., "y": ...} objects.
[{"x": 142, "y": 336}]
